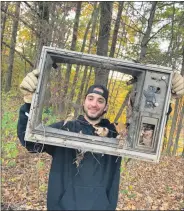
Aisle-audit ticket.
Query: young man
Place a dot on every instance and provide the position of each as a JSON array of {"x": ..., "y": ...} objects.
[{"x": 79, "y": 180}]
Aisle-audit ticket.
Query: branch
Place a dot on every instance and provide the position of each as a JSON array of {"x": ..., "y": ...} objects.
[
  {"x": 158, "y": 31},
  {"x": 164, "y": 5},
  {"x": 136, "y": 30},
  {"x": 122, "y": 107},
  {"x": 27, "y": 60},
  {"x": 30, "y": 7},
  {"x": 24, "y": 22},
  {"x": 130, "y": 3}
]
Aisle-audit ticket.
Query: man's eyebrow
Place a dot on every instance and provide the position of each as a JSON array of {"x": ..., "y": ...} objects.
[{"x": 100, "y": 97}]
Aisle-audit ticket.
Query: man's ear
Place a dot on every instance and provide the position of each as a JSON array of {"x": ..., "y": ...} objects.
[{"x": 106, "y": 108}]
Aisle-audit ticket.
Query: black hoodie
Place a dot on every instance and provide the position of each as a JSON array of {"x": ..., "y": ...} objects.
[{"x": 93, "y": 185}]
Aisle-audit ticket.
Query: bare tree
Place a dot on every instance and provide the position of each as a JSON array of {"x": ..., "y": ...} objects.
[
  {"x": 173, "y": 127},
  {"x": 43, "y": 28},
  {"x": 82, "y": 50},
  {"x": 123, "y": 105},
  {"x": 182, "y": 68},
  {"x": 115, "y": 35},
  {"x": 180, "y": 115},
  {"x": 101, "y": 75},
  {"x": 3, "y": 19},
  {"x": 12, "y": 49},
  {"x": 170, "y": 49},
  {"x": 116, "y": 29},
  {"x": 179, "y": 129},
  {"x": 86, "y": 77},
  {"x": 20, "y": 54},
  {"x": 73, "y": 45},
  {"x": 146, "y": 36}
]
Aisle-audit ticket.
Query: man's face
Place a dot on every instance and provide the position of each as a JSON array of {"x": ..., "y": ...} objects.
[
  {"x": 148, "y": 134},
  {"x": 94, "y": 105}
]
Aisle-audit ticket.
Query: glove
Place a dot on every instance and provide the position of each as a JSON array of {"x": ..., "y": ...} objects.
[
  {"x": 101, "y": 131},
  {"x": 177, "y": 85},
  {"x": 29, "y": 84}
]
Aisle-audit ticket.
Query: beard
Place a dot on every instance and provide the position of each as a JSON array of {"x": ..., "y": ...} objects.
[{"x": 95, "y": 117}]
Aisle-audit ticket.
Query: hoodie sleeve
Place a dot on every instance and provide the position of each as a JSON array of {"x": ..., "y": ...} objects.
[{"x": 21, "y": 129}]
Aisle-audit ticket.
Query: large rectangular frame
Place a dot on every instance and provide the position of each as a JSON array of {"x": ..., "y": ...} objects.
[{"x": 39, "y": 133}]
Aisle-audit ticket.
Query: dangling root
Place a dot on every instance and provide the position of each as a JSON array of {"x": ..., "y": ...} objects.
[{"x": 79, "y": 158}]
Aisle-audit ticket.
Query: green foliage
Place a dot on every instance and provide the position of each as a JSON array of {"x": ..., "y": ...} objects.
[
  {"x": 132, "y": 195},
  {"x": 10, "y": 148},
  {"x": 2, "y": 180},
  {"x": 48, "y": 116},
  {"x": 123, "y": 165},
  {"x": 169, "y": 189},
  {"x": 9, "y": 125},
  {"x": 40, "y": 165},
  {"x": 9, "y": 128},
  {"x": 128, "y": 193},
  {"x": 11, "y": 163},
  {"x": 124, "y": 191},
  {"x": 43, "y": 187}
]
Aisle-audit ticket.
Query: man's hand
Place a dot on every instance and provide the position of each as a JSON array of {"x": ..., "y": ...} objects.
[
  {"x": 177, "y": 85},
  {"x": 29, "y": 84}
]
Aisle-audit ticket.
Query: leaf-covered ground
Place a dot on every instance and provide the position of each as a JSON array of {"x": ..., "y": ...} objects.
[
  {"x": 148, "y": 186},
  {"x": 143, "y": 186}
]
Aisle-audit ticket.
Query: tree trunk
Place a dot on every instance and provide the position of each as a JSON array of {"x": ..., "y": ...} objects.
[
  {"x": 170, "y": 49},
  {"x": 182, "y": 112},
  {"x": 73, "y": 46},
  {"x": 76, "y": 26},
  {"x": 174, "y": 120},
  {"x": 85, "y": 79},
  {"x": 43, "y": 28},
  {"x": 12, "y": 49},
  {"x": 182, "y": 152},
  {"x": 122, "y": 107},
  {"x": 3, "y": 20},
  {"x": 115, "y": 35},
  {"x": 82, "y": 50},
  {"x": 179, "y": 129},
  {"x": 21, "y": 20},
  {"x": 94, "y": 23},
  {"x": 78, "y": 101},
  {"x": 20, "y": 54},
  {"x": 182, "y": 68},
  {"x": 53, "y": 17},
  {"x": 116, "y": 29},
  {"x": 146, "y": 36},
  {"x": 101, "y": 75}
]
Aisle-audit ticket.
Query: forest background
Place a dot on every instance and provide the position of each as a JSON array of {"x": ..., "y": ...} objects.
[{"x": 144, "y": 32}]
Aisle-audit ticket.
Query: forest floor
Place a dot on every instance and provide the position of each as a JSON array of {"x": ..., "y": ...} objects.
[
  {"x": 24, "y": 176},
  {"x": 143, "y": 185}
]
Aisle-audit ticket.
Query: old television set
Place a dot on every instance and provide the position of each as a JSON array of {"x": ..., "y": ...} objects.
[{"x": 149, "y": 114}]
